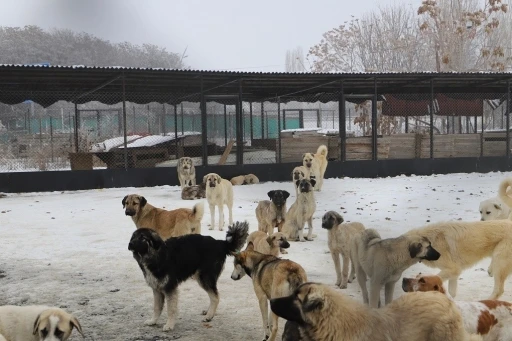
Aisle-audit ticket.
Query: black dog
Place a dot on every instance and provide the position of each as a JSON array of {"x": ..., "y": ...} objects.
[{"x": 165, "y": 264}]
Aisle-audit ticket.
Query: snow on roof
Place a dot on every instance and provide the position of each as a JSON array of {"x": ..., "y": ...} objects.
[
  {"x": 299, "y": 129},
  {"x": 149, "y": 141},
  {"x": 107, "y": 145},
  {"x": 185, "y": 133}
]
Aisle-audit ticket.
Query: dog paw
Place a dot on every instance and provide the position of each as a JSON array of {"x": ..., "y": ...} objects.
[
  {"x": 350, "y": 280},
  {"x": 308, "y": 239},
  {"x": 150, "y": 322},
  {"x": 168, "y": 326},
  {"x": 207, "y": 319},
  {"x": 284, "y": 252},
  {"x": 303, "y": 240},
  {"x": 343, "y": 286}
]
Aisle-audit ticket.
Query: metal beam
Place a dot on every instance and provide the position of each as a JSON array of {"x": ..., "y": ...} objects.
[
  {"x": 374, "y": 121},
  {"x": 342, "y": 123},
  {"x": 102, "y": 85},
  {"x": 125, "y": 132},
  {"x": 204, "y": 126}
]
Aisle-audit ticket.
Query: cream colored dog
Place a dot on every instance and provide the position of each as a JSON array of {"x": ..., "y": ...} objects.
[
  {"x": 503, "y": 193},
  {"x": 300, "y": 212},
  {"x": 268, "y": 245},
  {"x": 36, "y": 323},
  {"x": 299, "y": 173},
  {"x": 219, "y": 192},
  {"x": 316, "y": 164},
  {"x": 463, "y": 244},
  {"x": 340, "y": 239}
]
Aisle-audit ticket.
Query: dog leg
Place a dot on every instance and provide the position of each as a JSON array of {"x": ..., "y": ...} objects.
[
  {"x": 158, "y": 306},
  {"x": 301, "y": 234},
  {"x": 352, "y": 270},
  {"x": 221, "y": 218},
  {"x": 193, "y": 181},
  {"x": 262, "y": 300},
  {"x": 374, "y": 294},
  {"x": 212, "y": 215},
  {"x": 361, "y": 279},
  {"x": 230, "y": 212},
  {"x": 340, "y": 282},
  {"x": 172, "y": 309},
  {"x": 500, "y": 275},
  {"x": 389, "y": 289},
  {"x": 452, "y": 275},
  {"x": 310, "y": 232},
  {"x": 489, "y": 269},
  {"x": 273, "y": 331},
  {"x": 214, "y": 303}
]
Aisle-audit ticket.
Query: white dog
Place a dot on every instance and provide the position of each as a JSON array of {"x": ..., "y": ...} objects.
[
  {"x": 316, "y": 164},
  {"x": 36, "y": 323},
  {"x": 219, "y": 192},
  {"x": 493, "y": 209}
]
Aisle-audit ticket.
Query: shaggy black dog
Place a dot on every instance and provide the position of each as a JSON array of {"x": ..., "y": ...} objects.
[{"x": 165, "y": 264}]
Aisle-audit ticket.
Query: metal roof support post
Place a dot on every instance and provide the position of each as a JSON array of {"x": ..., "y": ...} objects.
[
  {"x": 204, "y": 126},
  {"x": 342, "y": 123},
  {"x": 176, "y": 129},
  {"x": 250, "y": 121},
  {"x": 239, "y": 123},
  {"x": 262, "y": 120},
  {"x": 374, "y": 120},
  {"x": 508, "y": 120},
  {"x": 431, "y": 131},
  {"x": 125, "y": 142},
  {"x": 77, "y": 120},
  {"x": 279, "y": 129}
]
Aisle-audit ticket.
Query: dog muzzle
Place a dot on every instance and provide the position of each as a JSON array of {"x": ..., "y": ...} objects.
[
  {"x": 131, "y": 213},
  {"x": 212, "y": 185}
]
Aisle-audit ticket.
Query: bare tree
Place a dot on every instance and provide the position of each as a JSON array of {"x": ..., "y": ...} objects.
[{"x": 294, "y": 61}]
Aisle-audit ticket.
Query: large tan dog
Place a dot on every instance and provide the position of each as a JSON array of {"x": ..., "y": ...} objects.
[
  {"x": 268, "y": 245},
  {"x": 219, "y": 192},
  {"x": 384, "y": 260},
  {"x": 167, "y": 224},
  {"x": 324, "y": 314},
  {"x": 272, "y": 277},
  {"x": 479, "y": 317},
  {"x": 316, "y": 164},
  {"x": 504, "y": 190},
  {"x": 36, "y": 323},
  {"x": 340, "y": 239},
  {"x": 272, "y": 213},
  {"x": 463, "y": 244},
  {"x": 301, "y": 212}
]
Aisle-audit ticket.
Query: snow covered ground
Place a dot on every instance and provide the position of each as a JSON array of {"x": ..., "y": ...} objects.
[{"x": 70, "y": 249}]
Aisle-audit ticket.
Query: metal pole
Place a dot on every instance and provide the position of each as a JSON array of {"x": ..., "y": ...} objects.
[
  {"x": 431, "y": 131},
  {"x": 239, "y": 127},
  {"x": 301, "y": 118},
  {"x": 51, "y": 135},
  {"x": 342, "y": 123},
  {"x": 204, "y": 127},
  {"x": 508, "y": 120},
  {"x": 250, "y": 121},
  {"x": 262, "y": 121},
  {"x": 482, "y": 137},
  {"x": 164, "y": 111},
  {"x": 182, "y": 119},
  {"x": 176, "y": 129},
  {"x": 125, "y": 133},
  {"x": 77, "y": 119},
  {"x": 279, "y": 128},
  {"x": 284, "y": 119},
  {"x": 476, "y": 130},
  {"x": 374, "y": 120},
  {"x": 225, "y": 126}
]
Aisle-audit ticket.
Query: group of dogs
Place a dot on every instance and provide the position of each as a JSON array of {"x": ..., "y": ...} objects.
[{"x": 169, "y": 249}]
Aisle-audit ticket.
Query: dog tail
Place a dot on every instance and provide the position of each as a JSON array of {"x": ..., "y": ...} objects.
[
  {"x": 370, "y": 235},
  {"x": 504, "y": 191},
  {"x": 236, "y": 236},
  {"x": 198, "y": 212},
  {"x": 322, "y": 149}
]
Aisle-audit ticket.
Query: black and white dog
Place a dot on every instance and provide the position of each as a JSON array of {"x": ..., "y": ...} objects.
[{"x": 166, "y": 264}]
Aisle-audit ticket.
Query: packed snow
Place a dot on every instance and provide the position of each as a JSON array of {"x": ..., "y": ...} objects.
[{"x": 69, "y": 249}]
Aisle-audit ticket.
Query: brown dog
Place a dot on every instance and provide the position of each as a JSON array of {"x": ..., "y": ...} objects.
[
  {"x": 271, "y": 213},
  {"x": 167, "y": 224},
  {"x": 268, "y": 245}
]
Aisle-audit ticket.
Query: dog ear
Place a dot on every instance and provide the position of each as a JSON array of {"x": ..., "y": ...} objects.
[
  {"x": 74, "y": 323},
  {"x": 250, "y": 246},
  {"x": 124, "y": 201},
  {"x": 414, "y": 249},
  {"x": 143, "y": 201},
  {"x": 303, "y": 155},
  {"x": 313, "y": 182},
  {"x": 271, "y": 194},
  {"x": 313, "y": 302},
  {"x": 204, "y": 179},
  {"x": 269, "y": 240},
  {"x": 286, "y": 194},
  {"x": 497, "y": 206},
  {"x": 339, "y": 219},
  {"x": 219, "y": 179},
  {"x": 36, "y": 324}
]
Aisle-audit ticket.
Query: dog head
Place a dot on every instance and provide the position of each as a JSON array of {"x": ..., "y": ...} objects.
[
  {"x": 242, "y": 262},
  {"x": 55, "y": 324},
  {"x": 186, "y": 163},
  {"x": 212, "y": 180},
  {"x": 421, "y": 248},
  {"x": 423, "y": 283},
  {"x": 298, "y": 174},
  {"x": 144, "y": 242},
  {"x": 305, "y": 185},
  {"x": 278, "y": 239},
  {"x": 304, "y": 306},
  {"x": 331, "y": 219},
  {"x": 251, "y": 179},
  {"x": 278, "y": 197},
  {"x": 133, "y": 203},
  {"x": 490, "y": 210},
  {"x": 307, "y": 160}
]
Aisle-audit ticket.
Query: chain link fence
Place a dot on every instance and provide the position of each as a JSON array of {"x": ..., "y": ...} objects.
[{"x": 219, "y": 127}]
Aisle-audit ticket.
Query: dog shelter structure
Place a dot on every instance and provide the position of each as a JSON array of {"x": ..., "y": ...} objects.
[{"x": 78, "y": 127}]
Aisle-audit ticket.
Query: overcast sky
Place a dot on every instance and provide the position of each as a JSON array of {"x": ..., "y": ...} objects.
[{"x": 218, "y": 34}]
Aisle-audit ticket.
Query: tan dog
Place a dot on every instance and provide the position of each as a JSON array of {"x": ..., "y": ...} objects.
[
  {"x": 299, "y": 173},
  {"x": 219, "y": 192},
  {"x": 186, "y": 172},
  {"x": 271, "y": 213},
  {"x": 340, "y": 239},
  {"x": 463, "y": 244},
  {"x": 316, "y": 164},
  {"x": 272, "y": 277},
  {"x": 238, "y": 180},
  {"x": 36, "y": 323},
  {"x": 301, "y": 212},
  {"x": 251, "y": 179},
  {"x": 167, "y": 224},
  {"x": 479, "y": 317},
  {"x": 324, "y": 314},
  {"x": 268, "y": 245},
  {"x": 384, "y": 260},
  {"x": 504, "y": 190}
]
